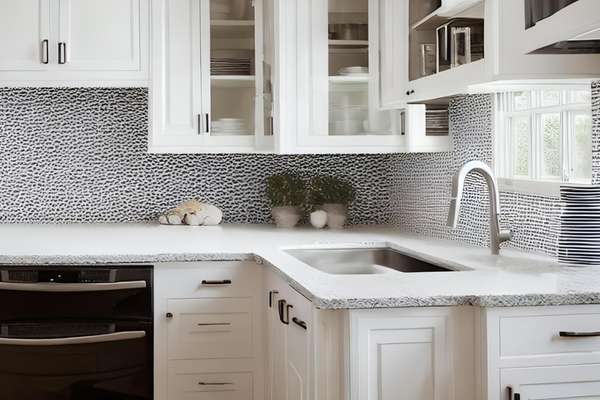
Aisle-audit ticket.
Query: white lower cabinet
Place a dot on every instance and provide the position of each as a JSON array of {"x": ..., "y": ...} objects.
[
  {"x": 289, "y": 334},
  {"x": 240, "y": 331},
  {"x": 542, "y": 353},
  {"x": 209, "y": 341},
  {"x": 408, "y": 354}
]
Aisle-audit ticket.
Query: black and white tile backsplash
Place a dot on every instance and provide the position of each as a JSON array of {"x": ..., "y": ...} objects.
[{"x": 79, "y": 155}]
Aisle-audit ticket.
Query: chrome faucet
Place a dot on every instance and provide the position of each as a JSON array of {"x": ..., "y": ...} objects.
[{"x": 497, "y": 235}]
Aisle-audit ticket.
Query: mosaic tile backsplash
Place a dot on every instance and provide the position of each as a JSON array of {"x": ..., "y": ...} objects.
[
  {"x": 423, "y": 183},
  {"x": 79, "y": 155}
]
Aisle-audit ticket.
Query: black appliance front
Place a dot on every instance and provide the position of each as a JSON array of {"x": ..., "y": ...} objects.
[{"x": 76, "y": 333}]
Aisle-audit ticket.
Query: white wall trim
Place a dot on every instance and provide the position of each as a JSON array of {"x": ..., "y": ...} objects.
[{"x": 540, "y": 188}]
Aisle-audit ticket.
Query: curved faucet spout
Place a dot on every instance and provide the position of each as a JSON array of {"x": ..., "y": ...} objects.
[{"x": 497, "y": 236}]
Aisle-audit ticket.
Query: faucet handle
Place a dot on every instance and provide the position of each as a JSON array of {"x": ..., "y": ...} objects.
[{"x": 504, "y": 235}]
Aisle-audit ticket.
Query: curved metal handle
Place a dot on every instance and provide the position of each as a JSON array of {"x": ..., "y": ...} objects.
[
  {"x": 45, "y": 55},
  {"x": 62, "y": 53},
  {"x": 300, "y": 323},
  {"x": 72, "y": 287},
  {"x": 222, "y": 282},
  {"x": 215, "y": 383},
  {"x": 111, "y": 337},
  {"x": 282, "y": 307},
  {"x": 578, "y": 334}
]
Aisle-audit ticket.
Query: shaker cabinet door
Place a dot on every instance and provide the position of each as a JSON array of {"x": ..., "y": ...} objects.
[
  {"x": 24, "y": 35},
  {"x": 102, "y": 35}
]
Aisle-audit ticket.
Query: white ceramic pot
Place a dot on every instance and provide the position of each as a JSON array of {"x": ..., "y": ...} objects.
[
  {"x": 318, "y": 219},
  {"x": 286, "y": 217},
  {"x": 335, "y": 208}
]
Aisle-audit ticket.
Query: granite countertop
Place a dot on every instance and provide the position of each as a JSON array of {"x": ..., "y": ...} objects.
[{"x": 512, "y": 279}]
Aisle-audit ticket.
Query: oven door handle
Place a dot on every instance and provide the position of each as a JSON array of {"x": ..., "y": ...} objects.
[
  {"x": 110, "y": 337},
  {"x": 72, "y": 287}
]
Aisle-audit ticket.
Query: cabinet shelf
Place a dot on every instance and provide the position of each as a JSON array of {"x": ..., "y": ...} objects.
[
  {"x": 349, "y": 79},
  {"x": 364, "y": 43},
  {"x": 449, "y": 9},
  {"x": 231, "y": 22},
  {"x": 233, "y": 81}
]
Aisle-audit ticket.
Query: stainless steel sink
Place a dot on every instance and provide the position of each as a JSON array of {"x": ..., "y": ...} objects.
[{"x": 362, "y": 261}]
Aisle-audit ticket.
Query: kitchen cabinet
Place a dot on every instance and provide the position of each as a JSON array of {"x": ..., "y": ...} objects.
[
  {"x": 24, "y": 35},
  {"x": 576, "y": 21},
  {"x": 542, "y": 352},
  {"x": 213, "y": 78},
  {"x": 74, "y": 43},
  {"x": 289, "y": 326},
  {"x": 338, "y": 90},
  {"x": 429, "y": 50},
  {"x": 412, "y": 354},
  {"x": 209, "y": 331}
]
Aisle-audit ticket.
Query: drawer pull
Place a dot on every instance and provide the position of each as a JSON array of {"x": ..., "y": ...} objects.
[
  {"x": 578, "y": 334},
  {"x": 215, "y": 324},
  {"x": 284, "y": 308},
  {"x": 222, "y": 282},
  {"x": 214, "y": 383},
  {"x": 272, "y": 294},
  {"x": 300, "y": 323}
]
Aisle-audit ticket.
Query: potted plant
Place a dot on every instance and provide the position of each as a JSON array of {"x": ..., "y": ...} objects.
[
  {"x": 332, "y": 195},
  {"x": 286, "y": 194}
]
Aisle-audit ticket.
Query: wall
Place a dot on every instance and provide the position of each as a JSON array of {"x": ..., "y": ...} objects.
[
  {"x": 423, "y": 184},
  {"x": 79, "y": 155}
]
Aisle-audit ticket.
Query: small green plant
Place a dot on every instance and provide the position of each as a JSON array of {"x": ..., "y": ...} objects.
[
  {"x": 330, "y": 190},
  {"x": 285, "y": 190}
]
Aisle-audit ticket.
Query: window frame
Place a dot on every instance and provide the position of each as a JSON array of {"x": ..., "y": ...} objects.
[{"x": 504, "y": 154}]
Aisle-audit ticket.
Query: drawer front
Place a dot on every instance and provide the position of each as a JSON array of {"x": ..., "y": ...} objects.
[
  {"x": 210, "y": 386},
  {"x": 210, "y": 328},
  {"x": 209, "y": 279},
  {"x": 538, "y": 335}
]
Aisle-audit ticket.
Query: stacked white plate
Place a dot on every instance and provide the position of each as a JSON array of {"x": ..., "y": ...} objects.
[
  {"x": 229, "y": 127},
  {"x": 579, "y": 240},
  {"x": 230, "y": 66},
  {"x": 353, "y": 71}
]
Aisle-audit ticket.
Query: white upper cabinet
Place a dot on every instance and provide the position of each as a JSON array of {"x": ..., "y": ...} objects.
[
  {"x": 445, "y": 48},
  {"x": 74, "y": 43},
  {"x": 24, "y": 35},
  {"x": 338, "y": 95},
  {"x": 212, "y": 83},
  {"x": 103, "y": 35}
]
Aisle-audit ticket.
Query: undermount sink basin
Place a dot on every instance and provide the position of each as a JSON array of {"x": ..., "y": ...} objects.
[{"x": 362, "y": 261}]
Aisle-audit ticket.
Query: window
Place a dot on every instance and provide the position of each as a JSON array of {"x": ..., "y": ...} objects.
[{"x": 544, "y": 136}]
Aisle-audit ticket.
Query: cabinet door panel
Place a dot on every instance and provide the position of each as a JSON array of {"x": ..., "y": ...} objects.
[
  {"x": 400, "y": 358},
  {"x": 581, "y": 382},
  {"x": 102, "y": 35},
  {"x": 176, "y": 84},
  {"x": 24, "y": 25}
]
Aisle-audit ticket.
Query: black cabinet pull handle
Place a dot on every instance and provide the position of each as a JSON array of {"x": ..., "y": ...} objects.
[
  {"x": 169, "y": 315},
  {"x": 300, "y": 323},
  {"x": 45, "y": 54},
  {"x": 578, "y": 334},
  {"x": 62, "y": 53},
  {"x": 214, "y": 383},
  {"x": 284, "y": 308},
  {"x": 207, "y": 123},
  {"x": 272, "y": 294},
  {"x": 223, "y": 282},
  {"x": 513, "y": 395}
]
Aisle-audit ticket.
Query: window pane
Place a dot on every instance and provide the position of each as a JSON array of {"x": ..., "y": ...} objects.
[
  {"x": 551, "y": 139},
  {"x": 581, "y": 96},
  {"x": 550, "y": 98},
  {"x": 521, "y": 134},
  {"x": 582, "y": 148},
  {"x": 522, "y": 101}
]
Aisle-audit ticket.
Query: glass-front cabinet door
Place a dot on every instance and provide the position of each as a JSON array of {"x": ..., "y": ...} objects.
[
  {"x": 209, "y": 89},
  {"x": 344, "y": 112}
]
